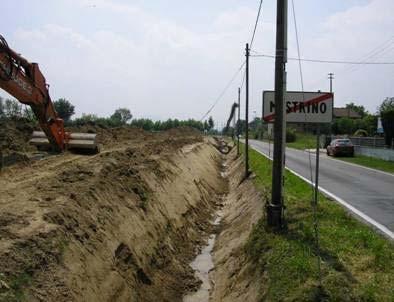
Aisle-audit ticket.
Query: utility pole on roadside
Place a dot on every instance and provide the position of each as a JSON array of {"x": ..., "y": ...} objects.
[
  {"x": 247, "y": 112},
  {"x": 331, "y": 77},
  {"x": 239, "y": 119},
  {"x": 275, "y": 214}
]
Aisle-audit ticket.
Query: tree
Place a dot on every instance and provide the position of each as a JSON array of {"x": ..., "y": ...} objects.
[
  {"x": 12, "y": 109},
  {"x": 64, "y": 109},
  {"x": 206, "y": 125},
  {"x": 357, "y": 108},
  {"x": 2, "y": 113},
  {"x": 386, "y": 110},
  {"x": 121, "y": 116},
  {"x": 211, "y": 123}
]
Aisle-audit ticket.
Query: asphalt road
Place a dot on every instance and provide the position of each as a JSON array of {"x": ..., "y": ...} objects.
[{"x": 369, "y": 191}]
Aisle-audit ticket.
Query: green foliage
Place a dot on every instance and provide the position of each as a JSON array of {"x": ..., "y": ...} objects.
[
  {"x": 15, "y": 291},
  {"x": 64, "y": 109},
  {"x": 290, "y": 135},
  {"x": 346, "y": 125},
  {"x": 357, "y": 108},
  {"x": 121, "y": 116},
  {"x": 211, "y": 123},
  {"x": 386, "y": 111},
  {"x": 303, "y": 141},
  {"x": 206, "y": 125},
  {"x": 2, "y": 112},
  {"x": 12, "y": 109},
  {"x": 370, "y": 162},
  {"x": 143, "y": 123}
]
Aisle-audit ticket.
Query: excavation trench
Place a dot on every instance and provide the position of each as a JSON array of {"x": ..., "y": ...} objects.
[
  {"x": 203, "y": 264},
  {"x": 153, "y": 217},
  {"x": 122, "y": 225}
]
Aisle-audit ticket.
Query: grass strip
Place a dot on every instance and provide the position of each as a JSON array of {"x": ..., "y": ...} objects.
[
  {"x": 357, "y": 263},
  {"x": 308, "y": 141},
  {"x": 370, "y": 162},
  {"x": 303, "y": 141}
]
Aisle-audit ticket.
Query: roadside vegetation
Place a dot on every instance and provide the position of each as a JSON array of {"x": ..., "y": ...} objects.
[
  {"x": 370, "y": 162},
  {"x": 357, "y": 264},
  {"x": 303, "y": 141}
]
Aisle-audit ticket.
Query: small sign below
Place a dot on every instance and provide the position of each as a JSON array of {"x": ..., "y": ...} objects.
[{"x": 301, "y": 107}]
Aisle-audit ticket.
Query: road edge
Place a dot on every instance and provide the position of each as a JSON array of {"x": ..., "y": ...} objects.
[{"x": 384, "y": 230}]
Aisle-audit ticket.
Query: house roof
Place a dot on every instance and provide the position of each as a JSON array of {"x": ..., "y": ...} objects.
[{"x": 346, "y": 112}]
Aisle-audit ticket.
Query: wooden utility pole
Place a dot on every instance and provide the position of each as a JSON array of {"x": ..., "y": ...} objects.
[
  {"x": 331, "y": 77},
  {"x": 247, "y": 112},
  {"x": 239, "y": 119},
  {"x": 275, "y": 215}
]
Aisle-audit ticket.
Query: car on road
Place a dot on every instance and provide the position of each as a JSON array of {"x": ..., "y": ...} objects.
[{"x": 341, "y": 146}]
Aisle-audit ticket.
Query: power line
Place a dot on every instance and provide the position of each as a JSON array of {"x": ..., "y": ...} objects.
[
  {"x": 377, "y": 51},
  {"x": 255, "y": 25},
  {"x": 328, "y": 61},
  {"x": 224, "y": 91},
  {"x": 240, "y": 68}
]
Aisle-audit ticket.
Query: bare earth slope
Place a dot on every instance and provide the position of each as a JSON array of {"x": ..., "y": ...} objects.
[{"x": 117, "y": 226}]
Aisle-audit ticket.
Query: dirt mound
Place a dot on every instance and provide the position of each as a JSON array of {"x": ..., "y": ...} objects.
[
  {"x": 15, "y": 135},
  {"x": 110, "y": 137},
  {"x": 121, "y": 225},
  {"x": 183, "y": 131}
]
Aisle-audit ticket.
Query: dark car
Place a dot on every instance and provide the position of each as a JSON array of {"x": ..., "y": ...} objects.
[{"x": 342, "y": 146}]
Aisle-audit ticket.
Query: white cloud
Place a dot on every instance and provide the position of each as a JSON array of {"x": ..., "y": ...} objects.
[
  {"x": 165, "y": 69},
  {"x": 349, "y": 35}
]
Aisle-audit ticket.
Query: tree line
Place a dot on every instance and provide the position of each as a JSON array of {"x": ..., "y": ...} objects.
[{"x": 12, "y": 109}]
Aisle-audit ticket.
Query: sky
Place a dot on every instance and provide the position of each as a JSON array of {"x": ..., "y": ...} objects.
[{"x": 172, "y": 58}]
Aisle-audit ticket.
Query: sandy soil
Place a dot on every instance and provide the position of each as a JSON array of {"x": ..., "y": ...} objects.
[
  {"x": 122, "y": 225},
  {"x": 234, "y": 278}
]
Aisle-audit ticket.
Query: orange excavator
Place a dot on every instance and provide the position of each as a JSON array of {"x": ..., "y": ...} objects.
[{"x": 24, "y": 81}]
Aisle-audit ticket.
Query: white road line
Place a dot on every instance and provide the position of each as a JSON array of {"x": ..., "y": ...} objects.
[{"x": 362, "y": 215}]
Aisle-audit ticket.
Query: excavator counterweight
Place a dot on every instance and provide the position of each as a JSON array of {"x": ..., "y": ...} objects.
[{"x": 24, "y": 81}]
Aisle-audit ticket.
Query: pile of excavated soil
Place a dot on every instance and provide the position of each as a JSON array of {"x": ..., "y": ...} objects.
[
  {"x": 114, "y": 136},
  {"x": 14, "y": 135},
  {"x": 121, "y": 225}
]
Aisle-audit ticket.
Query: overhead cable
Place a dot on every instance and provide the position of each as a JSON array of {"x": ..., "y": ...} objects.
[
  {"x": 224, "y": 91},
  {"x": 327, "y": 61}
]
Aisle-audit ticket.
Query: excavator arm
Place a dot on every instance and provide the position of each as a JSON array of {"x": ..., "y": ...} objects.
[
  {"x": 24, "y": 81},
  {"x": 232, "y": 113}
]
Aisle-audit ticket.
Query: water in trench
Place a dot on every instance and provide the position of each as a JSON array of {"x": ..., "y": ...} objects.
[{"x": 203, "y": 263}]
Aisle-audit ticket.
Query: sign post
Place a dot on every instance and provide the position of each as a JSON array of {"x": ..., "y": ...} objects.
[{"x": 301, "y": 107}]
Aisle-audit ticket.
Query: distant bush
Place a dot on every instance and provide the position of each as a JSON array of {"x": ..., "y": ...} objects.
[{"x": 290, "y": 135}]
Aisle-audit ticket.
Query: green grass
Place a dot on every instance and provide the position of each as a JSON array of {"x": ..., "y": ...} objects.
[
  {"x": 375, "y": 163},
  {"x": 303, "y": 141},
  {"x": 357, "y": 263},
  {"x": 15, "y": 290}
]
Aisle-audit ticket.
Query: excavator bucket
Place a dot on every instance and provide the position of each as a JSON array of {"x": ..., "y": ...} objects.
[{"x": 77, "y": 141}]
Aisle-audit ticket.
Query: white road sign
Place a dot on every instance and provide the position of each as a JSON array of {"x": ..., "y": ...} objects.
[{"x": 301, "y": 107}]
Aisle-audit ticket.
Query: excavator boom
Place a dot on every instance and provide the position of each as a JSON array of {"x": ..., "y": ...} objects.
[{"x": 24, "y": 81}]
